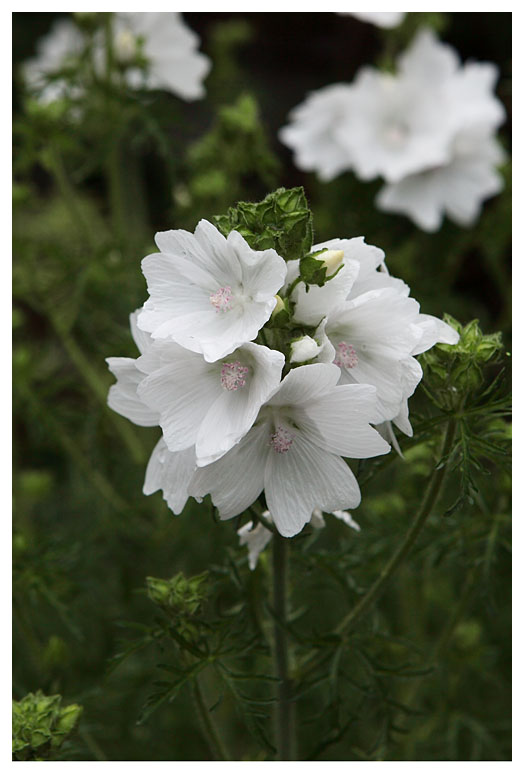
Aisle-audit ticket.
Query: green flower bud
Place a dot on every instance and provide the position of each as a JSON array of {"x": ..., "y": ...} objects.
[
  {"x": 40, "y": 723},
  {"x": 319, "y": 267},
  {"x": 179, "y": 594}
]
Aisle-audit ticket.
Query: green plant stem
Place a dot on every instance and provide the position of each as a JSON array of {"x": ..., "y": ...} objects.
[
  {"x": 217, "y": 746},
  {"x": 285, "y": 713},
  {"x": 429, "y": 501}
]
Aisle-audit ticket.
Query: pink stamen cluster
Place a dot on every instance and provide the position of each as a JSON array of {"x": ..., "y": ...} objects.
[
  {"x": 346, "y": 357},
  {"x": 233, "y": 375},
  {"x": 281, "y": 440},
  {"x": 222, "y": 299}
]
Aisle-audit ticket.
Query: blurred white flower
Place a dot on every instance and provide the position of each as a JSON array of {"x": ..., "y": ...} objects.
[
  {"x": 293, "y": 451},
  {"x": 59, "y": 48},
  {"x": 208, "y": 293},
  {"x": 312, "y": 133},
  {"x": 170, "y": 49},
  {"x": 428, "y": 130},
  {"x": 384, "y": 19},
  {"x": 156, "y": 50},
  {"x": 209, "y": 405},
  {"x": 456, "y": 189},
  {"x": 257, "y": 539}
]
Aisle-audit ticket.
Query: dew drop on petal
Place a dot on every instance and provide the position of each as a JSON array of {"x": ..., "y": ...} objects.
[
  {"x": 233, "y": 375},
  {"x": 222, "y": 299},
  {"x": 346, "y": 356},
  {"x": 281, "y": 440}
]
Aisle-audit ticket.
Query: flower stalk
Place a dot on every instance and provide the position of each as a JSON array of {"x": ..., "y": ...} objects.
[
  {"x": 285, "y": 712},
  {"x": 215, "y": 743}
]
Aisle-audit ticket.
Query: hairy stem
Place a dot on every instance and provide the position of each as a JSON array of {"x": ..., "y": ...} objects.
[
  {"x": 285, "y": 712},
  {"x": 217, "y": 746}
]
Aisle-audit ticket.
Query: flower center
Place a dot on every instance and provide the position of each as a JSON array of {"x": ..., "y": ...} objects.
[
  {"x": 346, "y": 356},
  {"x": 395, "y": 133},
  {"x": 222, "y": 299},
  {"x": 281, "y": 440},
  {"x": 233, "y": 375}
]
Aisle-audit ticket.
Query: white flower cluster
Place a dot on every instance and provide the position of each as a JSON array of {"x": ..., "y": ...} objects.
[
  {"x": 232, "y": 425},
  {"x": 155, "y": 51},
  {"x": 428, "y": 130}
]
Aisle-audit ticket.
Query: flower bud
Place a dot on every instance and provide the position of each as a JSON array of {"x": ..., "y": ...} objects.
[
  {"x": 303, "y": 349},
  {"x": 332, "y": 260},
  {"x": 278, "y": 307},
  {"x": 125, "y": 46}
]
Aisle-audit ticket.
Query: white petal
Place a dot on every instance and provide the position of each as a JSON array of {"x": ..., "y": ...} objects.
[
  {"x": 181, "y": 393},
  {"x": 170, "y": 472},
  {"x": 255, "y": 539},
  {"x": 122, "y": 396},
  {"x": 313, "y": 305},
  {"x": 305, "y": 383},
  {"x": 339, "y": 422},
  {"x": 234, "y": 412},
  {"x": 237, "y": 479},
  {"x": 434, "y": 331},
  {"x": 304, "y": 478}
]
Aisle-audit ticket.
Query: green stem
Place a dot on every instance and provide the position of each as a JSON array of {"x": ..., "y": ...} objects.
[
  {"x": 70, "y": 197},
  {"x": 428, "y": 503},
  {"x": 217, "y": 747},
  {"x": 284, "y": 719}
]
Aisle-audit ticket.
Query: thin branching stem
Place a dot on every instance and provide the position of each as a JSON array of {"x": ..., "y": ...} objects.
[
  {"x": 429, "y": 501},
  {"x": 215, "y": 742},
  {"x": 285, "y": 712},
  {"x": 400, "y": 554}
]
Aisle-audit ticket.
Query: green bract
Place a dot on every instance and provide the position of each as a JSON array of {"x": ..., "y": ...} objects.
[
  {"x": 452, "y": 371},
  {"x": 281, "y": 221},
  {"x": 41, "y": 724}
]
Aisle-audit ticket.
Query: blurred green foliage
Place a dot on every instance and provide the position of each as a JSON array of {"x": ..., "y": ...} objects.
[{"x": 427, "y": 674}]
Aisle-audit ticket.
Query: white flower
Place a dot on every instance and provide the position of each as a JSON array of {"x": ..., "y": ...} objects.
[
  {"x": 209, "y": 405},
  {"x": 208, "y": 293},
  {"x": 456, "y": 189},
  {"x": 384, "y": 19},
  {"x": 312, "y": 133},
  {"x": 59, "y": 48},
  {"x": 169, "y": 47},
  {"x": 370, "y": 327},
  {"x": 163, "y": 40},
  {"x": 395, "y": 125},
  {"x": 257, "y": 539},
  {"x": 293, "y": 451},
  {"x": 427, "y": 130}
]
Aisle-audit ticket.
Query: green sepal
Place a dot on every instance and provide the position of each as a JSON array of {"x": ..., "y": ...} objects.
[{"x": 282, "y": 221}]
